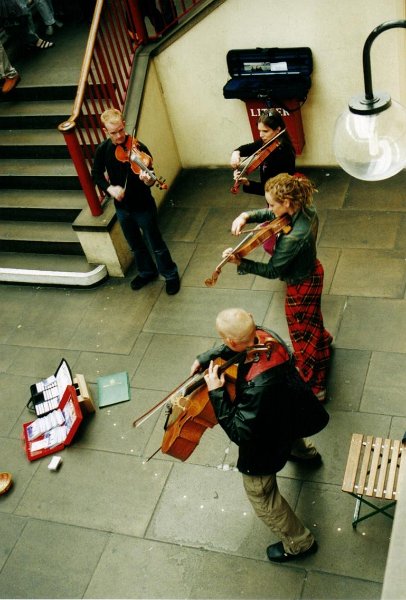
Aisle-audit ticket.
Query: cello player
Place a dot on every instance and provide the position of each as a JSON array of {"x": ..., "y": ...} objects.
[
  {"x": 272, "y": 409},
  {"x": 281, "y": 160}
]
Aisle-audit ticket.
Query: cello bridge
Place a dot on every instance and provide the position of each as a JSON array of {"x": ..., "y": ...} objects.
[{"x": 177, "y": 402}]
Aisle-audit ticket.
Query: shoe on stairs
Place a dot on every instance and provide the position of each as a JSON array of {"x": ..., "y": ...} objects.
[{"x": 10, "y": 83}]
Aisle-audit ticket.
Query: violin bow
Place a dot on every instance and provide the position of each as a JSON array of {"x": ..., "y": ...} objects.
[
  {"x": 129, "y": 164},
  {"x": 153, "y": 410}
]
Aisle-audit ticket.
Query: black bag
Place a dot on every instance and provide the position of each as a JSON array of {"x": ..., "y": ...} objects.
[{"x": 308, "y": 414}]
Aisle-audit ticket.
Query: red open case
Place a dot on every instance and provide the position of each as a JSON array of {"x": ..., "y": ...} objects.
[{"x": 69, "y": 405}]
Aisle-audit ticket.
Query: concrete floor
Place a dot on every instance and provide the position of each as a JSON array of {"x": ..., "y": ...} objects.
[{"x": 109, "y": 524}]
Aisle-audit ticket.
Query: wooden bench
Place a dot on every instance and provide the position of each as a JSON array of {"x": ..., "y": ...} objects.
[{"x": 372, "y": 470}]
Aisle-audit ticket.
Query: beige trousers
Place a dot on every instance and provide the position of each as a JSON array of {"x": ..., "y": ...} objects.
[
  {"x": 6, "y": 70},
  {"x": 271, "y": 507}
]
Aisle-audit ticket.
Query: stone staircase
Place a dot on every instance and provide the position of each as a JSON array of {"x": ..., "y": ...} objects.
[{"x": 40, "y": 195}]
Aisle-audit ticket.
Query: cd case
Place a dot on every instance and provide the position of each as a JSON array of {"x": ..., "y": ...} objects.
[{"x": 112, "y": 389}]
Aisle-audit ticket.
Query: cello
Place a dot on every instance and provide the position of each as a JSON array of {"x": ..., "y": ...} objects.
[
  {"x": 255, "y": 238},
  {"x": 189, "y": 411},
  {"x": 252, "y": 162}
]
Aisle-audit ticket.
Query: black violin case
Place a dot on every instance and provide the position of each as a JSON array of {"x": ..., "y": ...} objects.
[{"x": 269, "y": 73}]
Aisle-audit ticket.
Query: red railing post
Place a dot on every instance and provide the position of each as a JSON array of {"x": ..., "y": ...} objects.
[
  {"x": 138, "y": 21},
  {"x": 68, "y": 130},
  {"x": 104, "y": 78}
]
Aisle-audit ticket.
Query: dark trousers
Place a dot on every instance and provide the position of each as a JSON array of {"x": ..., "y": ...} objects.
[{"x": 142, "y": 233}]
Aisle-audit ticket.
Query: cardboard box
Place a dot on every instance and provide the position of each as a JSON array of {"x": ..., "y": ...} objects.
[{"x": 85, "y": 399}]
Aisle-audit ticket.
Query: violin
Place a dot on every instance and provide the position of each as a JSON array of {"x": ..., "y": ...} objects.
[
  {"x": 252, "y": 162},
  {"x": 139, "y": 161},
  {"x": 256, "y": 237},
  {"x": 189, "y": 410}
]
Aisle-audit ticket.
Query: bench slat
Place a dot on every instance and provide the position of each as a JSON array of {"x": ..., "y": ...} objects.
[
  {"x": 377, "y": 447},
  {"x": 352, "y": 462},
  {"x": 383, "y": 467},
  {"x": 393, "y": 470},
  {"x": 365, "y": 465}
]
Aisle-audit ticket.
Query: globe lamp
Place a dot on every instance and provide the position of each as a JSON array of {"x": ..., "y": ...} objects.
[{"x": 370, "y": 136}]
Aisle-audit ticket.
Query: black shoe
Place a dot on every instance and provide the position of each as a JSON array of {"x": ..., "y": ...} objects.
[
  {"x": 172, "y": 286},
  {"x": 276, "y": 552},
  {"x": 139, "y": 282},
  {"x": 312, "y": 461}
]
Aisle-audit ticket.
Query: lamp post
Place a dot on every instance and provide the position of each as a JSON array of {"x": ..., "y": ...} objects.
[{"x": 370, "y": 136}]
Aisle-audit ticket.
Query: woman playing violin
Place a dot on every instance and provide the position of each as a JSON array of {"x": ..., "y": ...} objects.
[
  {"x": 135, "y": 206},
  {"x": 294, "y": 260},
  {"x": 280, "y": 160},
  {"x": 266, "y": 420}
]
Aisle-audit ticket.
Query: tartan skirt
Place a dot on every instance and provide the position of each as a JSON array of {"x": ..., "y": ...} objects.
[{"x": 311, "y": 342}]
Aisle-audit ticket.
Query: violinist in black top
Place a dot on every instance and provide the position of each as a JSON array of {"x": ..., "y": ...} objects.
[
  {"x": 135, "y": 206},
  {"x": 280, "y": 160}
]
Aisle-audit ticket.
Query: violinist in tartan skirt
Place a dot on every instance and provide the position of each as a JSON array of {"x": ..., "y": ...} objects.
[{"x": 294, "y": 260}]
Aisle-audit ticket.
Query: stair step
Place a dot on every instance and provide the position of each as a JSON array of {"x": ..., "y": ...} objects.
[
  {"x": 43, "y": 174},
  {"x": 34, "y": 115},
  {"x": 34, "y": 93},
  {"x": 50, "y": 269},
  {"x": 33, "y": 143},
  {"x": 41, "y": 205},
  {"x": 43, "y": 238},
  {"x": 29, "y": 166}
]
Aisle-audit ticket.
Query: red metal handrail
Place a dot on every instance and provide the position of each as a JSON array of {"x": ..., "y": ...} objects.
[{"x": 117, "y": 32}]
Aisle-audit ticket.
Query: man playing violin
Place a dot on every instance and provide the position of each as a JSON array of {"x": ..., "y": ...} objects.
[
  {"x": 135, "y": 206},
  {"x": 280, "y": 160},
  {"x": 272, "y": 409}
]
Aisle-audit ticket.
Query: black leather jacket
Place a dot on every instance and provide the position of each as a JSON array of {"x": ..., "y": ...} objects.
[
  {"x": 269, "y": 412},
  {"x": 294, "y": 258},
  {"x": 266, "y": 415}
]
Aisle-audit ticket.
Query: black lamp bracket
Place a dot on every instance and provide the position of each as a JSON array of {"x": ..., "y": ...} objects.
[{"x": 369, "y": 103}]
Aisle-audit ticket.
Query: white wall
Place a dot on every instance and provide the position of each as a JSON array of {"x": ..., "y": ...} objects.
[
  {"x": 193, "y": 70},
  {"x": 155, "y": 128}
]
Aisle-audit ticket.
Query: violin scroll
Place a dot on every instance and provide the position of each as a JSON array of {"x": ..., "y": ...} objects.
[{"x": 211, "y": 281}]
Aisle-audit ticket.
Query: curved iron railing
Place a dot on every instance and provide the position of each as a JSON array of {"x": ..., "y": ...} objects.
[{"x": 118, "y": 30}]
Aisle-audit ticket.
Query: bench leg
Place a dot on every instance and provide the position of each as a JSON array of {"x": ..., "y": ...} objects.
[{"x": 357, "y": 519}]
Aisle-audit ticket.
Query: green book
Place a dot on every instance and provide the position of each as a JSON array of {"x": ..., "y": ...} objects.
[{"x": 112, "y": 389}]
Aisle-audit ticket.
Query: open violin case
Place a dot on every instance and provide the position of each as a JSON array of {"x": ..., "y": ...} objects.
[{"x": 269, "y": 73}]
